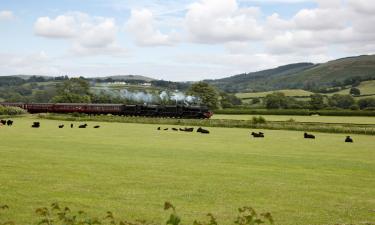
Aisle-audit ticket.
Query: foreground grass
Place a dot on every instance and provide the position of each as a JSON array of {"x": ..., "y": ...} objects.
[
  {"x": 319, "y": 119},
  {"x": 132, "y": 169}
]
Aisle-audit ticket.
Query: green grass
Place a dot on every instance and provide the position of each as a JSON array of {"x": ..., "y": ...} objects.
[
  {"x": 319, "y": 119},
  {"x": 366, "y": 88},
  {"x": 289, "y": 92},
  {"x": 132, "y": 169}
]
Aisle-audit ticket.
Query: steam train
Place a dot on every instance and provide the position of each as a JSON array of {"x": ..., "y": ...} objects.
[{"x": 173, "y": 111}]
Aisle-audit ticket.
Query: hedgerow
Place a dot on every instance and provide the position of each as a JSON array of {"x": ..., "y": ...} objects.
[
  {"x": 7, "y": 110},
  {"x": 296, "y": 112},
  {"x": 63, "y": 215}
]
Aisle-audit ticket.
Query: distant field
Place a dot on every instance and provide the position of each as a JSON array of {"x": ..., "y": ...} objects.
[
  {"x": 296, "y": 92},
  {"x": 366, "y": 87},
  {"x": 132, "y": 169},
  {"x": 321, "y": 119}
]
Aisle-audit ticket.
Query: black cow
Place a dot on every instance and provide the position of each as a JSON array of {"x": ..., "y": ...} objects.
[
  {"x": 202, "y": 131},
  {"x": 348, "y": 139},
  {"x": 159, "y": 128},
  {"x": 10, "y": 122},
  {"x": 97, "y": 126},
  {"x": 174, "y": 129},
  {"x": 166, "y": 129},
  {"x": 36, "y": 125},
  {"x": 4, "y": 122},
  {"x": 61, "y": 126},
  {"x": 308, "y": 136},
  {"x": 187, "y": 129},
  {"x": 83, "y": 125},
  {"x": 71, "y": 125},
  {"x": 258, "y": 135}
]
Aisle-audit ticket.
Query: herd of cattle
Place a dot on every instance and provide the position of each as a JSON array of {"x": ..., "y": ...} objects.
[
  {"x": 186, "y": 129},
  {"x": 37, "y": 124},
  {"x": 348, "y": 139}
]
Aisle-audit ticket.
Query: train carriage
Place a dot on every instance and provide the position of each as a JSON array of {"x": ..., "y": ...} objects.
[{"x": 173, "y": 111}]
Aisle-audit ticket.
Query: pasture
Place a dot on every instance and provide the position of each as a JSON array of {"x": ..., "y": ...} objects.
[
  {"x": 287, "y": 92},
  {"x": 317, "y": 119},
  {"x": 132, "y": 169}
]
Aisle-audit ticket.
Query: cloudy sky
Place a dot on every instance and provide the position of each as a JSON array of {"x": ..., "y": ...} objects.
[{"x": 178, "y": 39}]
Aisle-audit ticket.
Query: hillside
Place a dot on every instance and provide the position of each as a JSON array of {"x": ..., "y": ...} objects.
[
  {"x": 126, "y": 77},
  {"x": 301, "y": 75}
]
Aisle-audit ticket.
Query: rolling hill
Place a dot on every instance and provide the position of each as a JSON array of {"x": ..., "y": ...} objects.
[{"x": 300, "y": 75}]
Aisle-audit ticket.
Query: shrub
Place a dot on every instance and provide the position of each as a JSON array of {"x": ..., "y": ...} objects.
[
  {"x": 258, "y": 120},
  {"x": 63, "y": 215},
  {"x": 7, "y": 110}
]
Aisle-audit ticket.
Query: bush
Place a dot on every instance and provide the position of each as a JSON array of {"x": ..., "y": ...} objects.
[
  {"x": 63, "y": 215},
  {"x": 258, "y": 120},
  {"x": 354, "y": 107},
  {"x": 5, "y": 110}
]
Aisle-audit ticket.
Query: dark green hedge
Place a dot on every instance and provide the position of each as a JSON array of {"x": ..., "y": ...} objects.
[{"x": 299, "y": 112}]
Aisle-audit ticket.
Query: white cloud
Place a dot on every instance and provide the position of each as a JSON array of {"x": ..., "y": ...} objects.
[
  {"x": 61, "y": 27},
  {"x": 6, "y": 15},
  {"x": 89, "y": 35},
  {"x": 215, "y": 21},
  {"x": 141, "y": 25},
  {"x": 35, "y": 63}
]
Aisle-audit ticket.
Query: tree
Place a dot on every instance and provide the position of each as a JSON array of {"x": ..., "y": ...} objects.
[
  {"x": 229, "y": 100},
  {"x": 355, "y": 91},
  {"x": 316, "y": 101},
  {"x": 341, "y": 101},
  {"x": 276, "y": 100},
  {"x": 255, "y": 101},
  {"x": 206, "y": 93},
  {"x": 366, "y": 103},
  {"x": 74, "y": 90}
]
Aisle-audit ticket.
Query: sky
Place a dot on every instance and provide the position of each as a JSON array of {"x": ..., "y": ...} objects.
[{"x": 178, "y": 40}]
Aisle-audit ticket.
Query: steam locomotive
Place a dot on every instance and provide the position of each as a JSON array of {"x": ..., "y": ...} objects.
[{"x": 173, "y": 111}]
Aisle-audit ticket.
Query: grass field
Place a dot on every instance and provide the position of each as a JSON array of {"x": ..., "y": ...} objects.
[
  {"x": 132, "y": 169},
  {"x": 319, "y": 119},
  {"x": 366, "y": 88},
  {"x": 294, "y": 92}
]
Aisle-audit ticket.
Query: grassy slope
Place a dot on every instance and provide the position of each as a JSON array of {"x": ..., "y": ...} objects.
[
  {"x": 340, "y": 69},
  {"x": 132, "y": 169},
  {"x": 320, "y": 119},
  {"x": 299, "y": 75},
  {"x": 366, "y": 87},
  {"x": 288, "y": 92}
]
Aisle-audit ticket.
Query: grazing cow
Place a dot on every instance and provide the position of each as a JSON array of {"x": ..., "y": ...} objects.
[
  {"x": 202, "y": 131},
  {"x": 10, "y": 122},
  {"x": 258, "y": 135},
  {"x": 83, "y": 125},
  {"x": 61, "y": 126},
  {"x": 166, "y": 129},
  {"x": 159, "y": 128},
  {"x": 348, "y": 139},
  {"x": 189, "y": 129},
  {"x": 97, "y": 126},
  {"x": 71, "y": 125},
  {"x": 174, "y": 129},
  {"x": 4, "y": 122},
  {"x": 36, "y": 125},
  {"x": 308, "y": 136}
]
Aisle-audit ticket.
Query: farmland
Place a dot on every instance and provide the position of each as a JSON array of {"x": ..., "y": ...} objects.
[
  {"x": 315, "y": 119},
  {"x": 132, "y": 169}
]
